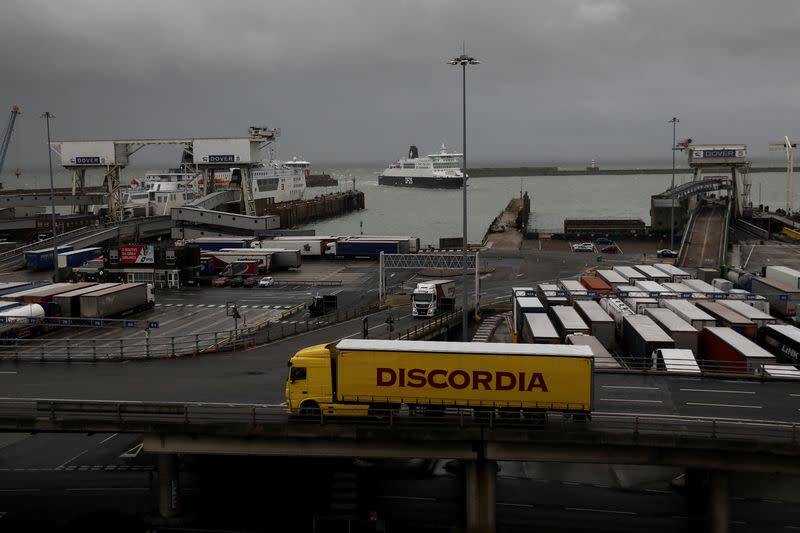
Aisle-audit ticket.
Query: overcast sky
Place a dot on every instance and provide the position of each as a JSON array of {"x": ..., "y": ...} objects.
[{"x": 350, "y": 81}]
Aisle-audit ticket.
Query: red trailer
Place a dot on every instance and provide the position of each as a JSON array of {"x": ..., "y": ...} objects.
[
  {"x": 724, "y": 350},
  {"x": 598, "y": 285}
]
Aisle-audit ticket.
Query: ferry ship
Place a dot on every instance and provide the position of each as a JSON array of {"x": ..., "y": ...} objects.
[
  {"x": 436, "y": 171},
  {"x": 273, "y": 182}
]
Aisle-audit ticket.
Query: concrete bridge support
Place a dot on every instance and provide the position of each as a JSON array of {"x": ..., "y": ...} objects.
[
  {"x": 168, "y": 486},
  {"x": 481, "y": 480},
  {"x": 708, "y": 500}
]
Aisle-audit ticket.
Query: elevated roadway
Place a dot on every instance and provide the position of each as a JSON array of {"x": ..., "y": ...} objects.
[
  {"x": 42, "y": 197},
  {"x": 705, "y": 240}
]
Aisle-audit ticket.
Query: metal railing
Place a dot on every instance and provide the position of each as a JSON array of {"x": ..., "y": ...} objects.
[
  {"x": 431, "y": 326},
  {"x": 254, "y": 419}
]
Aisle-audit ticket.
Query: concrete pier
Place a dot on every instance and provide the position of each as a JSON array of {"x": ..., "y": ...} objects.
[
  {"x": 481, "y": 480},
  {"x": 168, "y": 486}
]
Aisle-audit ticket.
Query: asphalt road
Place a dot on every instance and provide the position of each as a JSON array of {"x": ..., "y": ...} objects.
[{"x": 706, "y": 238}]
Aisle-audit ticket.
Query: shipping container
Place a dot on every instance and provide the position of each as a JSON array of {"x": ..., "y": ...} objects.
[
  {"x": 575, "y": 290},
  {"x": 116, "y": 301},
  {"x": 787, "y": 276},
  {"x": 782, "y": 298},
  {"x": 612, "y": 278},
  {"x": 676, "y": 361},
  {"x": 68, "y": 304},
  {"x": 748, "y": 311},
  {"x": 783, "y": 341},
  {"x": 538, "y": 329},
  {"x": 653, "y": 273},
  {"x": 76, "y": 258},
  {"x": 685, "y": 336},
  {"x": 567, "y": 321},
  {"x": 629, "y": 273},
  {"x": 724, "y": 350},
  {"x": 362, "y": 377},
  {"x": 685, "y": 309},
  {"x": 42, "y": 259},
  {"x": 596, "y": 285},
  {"x": 602, "y": 357},
  {"x": 601, "y": 325},
  {"x": 617, "y": 310},
  {"x": 641, "y": 337},
  {"x": 551, "y": 295},
  {"x": 676, "y": 274},
  {"x": 727, "y": 317}
]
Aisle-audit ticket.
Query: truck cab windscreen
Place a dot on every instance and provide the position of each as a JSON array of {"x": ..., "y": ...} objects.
[
  {"x": 422, "y": 297},
  {"x": 297, "y": 373}
]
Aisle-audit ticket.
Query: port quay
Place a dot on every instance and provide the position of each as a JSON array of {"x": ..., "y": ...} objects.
[{"x": 144, "y": 355}]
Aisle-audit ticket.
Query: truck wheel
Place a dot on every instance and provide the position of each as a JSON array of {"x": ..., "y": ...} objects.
[{"x": 309, "y": 409}]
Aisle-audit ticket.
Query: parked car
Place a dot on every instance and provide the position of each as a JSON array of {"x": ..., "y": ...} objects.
[
  {"x": 666, "y": 252},
  {"x": 250, "y": 282},
  {"x": 238, "y": 281},
  {"x": 603, "y": 240},
  {"x": 266, "y": 281},
  {"x": 583, "y": 247},
  {"x": 221, "y": 281},
  {"x": 610, "y": 249}
]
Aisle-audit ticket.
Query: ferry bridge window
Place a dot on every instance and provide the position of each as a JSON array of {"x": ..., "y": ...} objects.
[{"x": 266, "y": 184}]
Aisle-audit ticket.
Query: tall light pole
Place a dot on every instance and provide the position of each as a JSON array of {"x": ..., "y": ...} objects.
[
  {"x": 464, "y": 60},
  {"x": 674, "y": 122},
  {"x": 47, "y": 116}
]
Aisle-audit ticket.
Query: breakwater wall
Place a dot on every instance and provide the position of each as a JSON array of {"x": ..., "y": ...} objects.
[
  {"x": 555, "y": 171},
  {"x": 293, "y": 214}
]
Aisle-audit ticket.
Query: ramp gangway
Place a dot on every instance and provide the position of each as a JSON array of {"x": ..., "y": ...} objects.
[{"x": 705, "y": 240}]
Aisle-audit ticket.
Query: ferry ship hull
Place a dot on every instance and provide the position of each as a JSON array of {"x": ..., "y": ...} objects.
[{"x": 424, "y": 182}]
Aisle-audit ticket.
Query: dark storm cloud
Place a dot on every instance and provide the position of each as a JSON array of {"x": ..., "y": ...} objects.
[{"x": 359, "y": 81}]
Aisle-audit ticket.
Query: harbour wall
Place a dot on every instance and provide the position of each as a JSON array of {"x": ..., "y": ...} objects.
[
  {"x": 299, "y": 212},
  {"x": 555, "y": 171}
]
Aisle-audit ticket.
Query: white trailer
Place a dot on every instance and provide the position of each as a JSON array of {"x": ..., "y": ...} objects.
[
  {"x": 574, "y": 289},
  {"x": 616, "y": 309},
  {"x": 538, "y": 329},
  {"x": 612, "y": 277},
  {"x": 676, "y": 274},
  {"x": 748, "y": 311},
  {"x": 602, "y": 357},
  {"x": 567, "y": 321},
  {"x": 684, "y": 334},
  {"x": 629, "y": 273},
  {"x": 653, "y": 273},
  {"x": 698, "y": 318},
  {"x": 787, "y": 276},
  {"x": 600, "y": 323},
  {"x": 652, "y": 288},
  {"x": 675, "y": 360}
]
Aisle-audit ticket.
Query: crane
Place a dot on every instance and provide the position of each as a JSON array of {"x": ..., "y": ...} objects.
[
  {"x": 788, "y": 146},
  {"x": 12, "y": 118}
]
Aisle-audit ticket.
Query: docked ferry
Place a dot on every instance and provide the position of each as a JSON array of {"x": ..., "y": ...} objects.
[{"x": 436, "y": 171}]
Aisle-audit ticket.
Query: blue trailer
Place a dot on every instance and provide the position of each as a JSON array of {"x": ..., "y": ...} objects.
[
  {"x": 76, "y": 258},
  {"x": 43, "y": 259},
  {"x": 14, "y": 286},
  {"x": 370, "y": 249}
]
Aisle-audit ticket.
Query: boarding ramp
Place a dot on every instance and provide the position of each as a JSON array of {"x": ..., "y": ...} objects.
[
  {"x": 751, "y": 230},
  {"x": 216, "y": 199},
  {"x": 193, "y": 215},
  {"x": 61, "y": 197},
  {"x": 704, "y": 242}
]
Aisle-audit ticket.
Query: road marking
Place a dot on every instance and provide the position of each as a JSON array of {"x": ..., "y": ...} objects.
[
  {"x": 65, "y": 463},
  {"x": 411, "y": 498},
  {"x": 108, "y": 438},
  {"x": 629, "y": 513},
  {"x": 794, "y": 395},
  {"x": 722, "y": 391},
  {"x": 133, "y": 452},
  {"x": 724, "y": 405},
  {"x": 19, "y": 490},
  {"x": 628, "y": 400},
  {"x": 8, "y": 372},
  {"x": 526, "y": 505},
  {"x": 96, "y": 489},
  {"x": 658, "y": 491},
  {"x": 628, "y": 387}
]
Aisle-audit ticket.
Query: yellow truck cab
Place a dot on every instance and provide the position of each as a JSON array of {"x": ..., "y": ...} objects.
[{"x": 352, "y": 377}]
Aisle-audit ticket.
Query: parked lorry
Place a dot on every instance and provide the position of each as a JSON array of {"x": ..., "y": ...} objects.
[
  {"x": 308, "y": 247},
  {"x": 426, "y": 300},
  {"x": 354, "y": 377},
  {"x": 68, "y": 304},
  {"x": 685, "y": 309},
  {"x": 218, "y": 243},
  {"x": 642, "y": 337},
  {"x": 727, "y": 317},
  {"x": 538, "y": 329},
  {"x": 653, "y": 273},
  {"x": 787, "y": 276},
  {"x": 616, "y": 309},
  {"x": 240, "y": 268},
  {"x": 602, "y": 357},
  {"x": 675, "y": 360},
  {"x": 612, "y": 278},
  {"x": 676, "y": 274},
  {"x": 42, "y": 259},
  {"x": 783, "y": 341},
  {"x": 117, "y": 301},
  {"x": 520, "y": 306},
  {"x": 724, "y": 350},
  {"x": 684, "y": 335},
  {"x": 321, "y": 305},
  {"x": 516, "y": 318},
  {"x": 600, "y": 323},
  {"x": 750, "y": 312},
  {"x": 279, "y": 257},
  {"x": 596, "y": 285},
  {"x": 364, "y": 248},
  {"x": 76, "y": 258},
  {"x": 782, "y": 298},
  {"x": 567, "y": 321}
]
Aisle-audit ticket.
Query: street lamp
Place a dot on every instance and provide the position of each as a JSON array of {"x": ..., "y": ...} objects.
[
  {"x": 47, "y": 116},
  {"x": 674, "y": 122},
  {"x": 464, "y": 60}
]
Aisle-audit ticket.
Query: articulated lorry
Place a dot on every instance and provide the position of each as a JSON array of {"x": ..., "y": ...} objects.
[
  {"x": 426, "y": 300},
  {"x": 354, "y": 377},
  {"x": 117, "y": 301}
]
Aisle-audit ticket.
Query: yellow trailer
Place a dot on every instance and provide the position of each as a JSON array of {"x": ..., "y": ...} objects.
[{"x": 355, "y": 377}]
